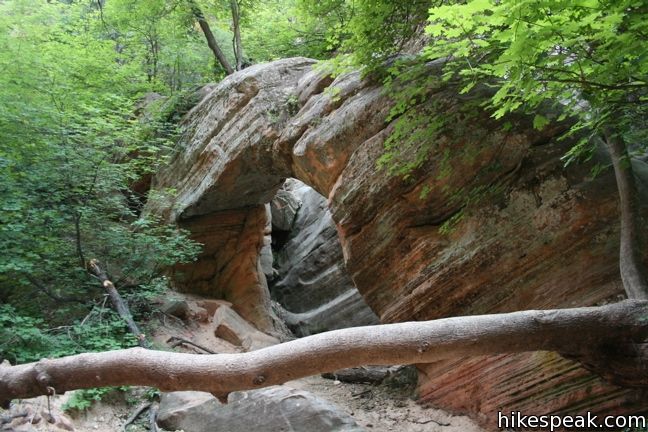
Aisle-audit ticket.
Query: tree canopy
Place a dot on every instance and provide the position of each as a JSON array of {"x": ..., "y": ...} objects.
[
  {"x": 586, "y": 58},
  {"x": 91, "y": 93}
]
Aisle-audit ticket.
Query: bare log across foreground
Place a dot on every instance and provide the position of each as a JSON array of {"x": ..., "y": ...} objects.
[{"x": 564, "y": 330}]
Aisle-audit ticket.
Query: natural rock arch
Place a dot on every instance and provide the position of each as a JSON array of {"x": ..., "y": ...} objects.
[
  {"x": 550, "y": 241},
  {"x": 239, "y": 144}
]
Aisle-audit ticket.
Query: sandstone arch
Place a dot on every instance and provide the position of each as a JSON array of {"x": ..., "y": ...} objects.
[
  {"x": 550, "y": 240},
  {"x": 240, "y": 142}
]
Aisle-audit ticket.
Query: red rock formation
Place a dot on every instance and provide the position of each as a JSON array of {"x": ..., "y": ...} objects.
[
  {"x": 540, "y": 236},
  {"x": 228, "y": 267}
]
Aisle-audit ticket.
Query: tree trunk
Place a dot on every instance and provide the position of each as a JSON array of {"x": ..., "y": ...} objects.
[
  {"x": 211, "y": 40},
  {"x": 117, "y": 302},
  {"x": 238, "y": 46},
  {"x": 360, "y": 375},
  {"x": 568, "y": 330},
  {"x": 633, "y": 274}
]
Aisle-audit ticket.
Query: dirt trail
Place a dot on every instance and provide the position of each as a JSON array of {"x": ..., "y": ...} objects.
[{"x": 382, "y": 409}]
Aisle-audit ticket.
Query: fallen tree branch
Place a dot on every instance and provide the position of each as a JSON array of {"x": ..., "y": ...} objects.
[
  {"x": 118, "y": 303},
  {"x": 360, "y": 375},
  {"x": 563, "y": 330},
  {"x": 180, "y": 341}
]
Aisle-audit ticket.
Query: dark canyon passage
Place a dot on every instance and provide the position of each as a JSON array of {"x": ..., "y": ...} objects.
[{"x": 310, "y": 279}]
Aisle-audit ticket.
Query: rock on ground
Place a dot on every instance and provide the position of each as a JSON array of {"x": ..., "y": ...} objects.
[{"x": 273, "y": 409}]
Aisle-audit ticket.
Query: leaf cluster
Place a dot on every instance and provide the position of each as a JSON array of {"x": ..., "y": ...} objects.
[
  {"x": 586, "y": 59},
  {"x": 81, "y": 400},
  {"x": 71, "y": 150},
  {"x": 26, "y": 339}
]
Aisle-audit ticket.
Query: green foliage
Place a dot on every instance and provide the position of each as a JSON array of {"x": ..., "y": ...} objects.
[
  {"x": 582, "y": 62},
  {"x": 81, "y": 133},
  {"x": 381, "y": 28},
  {"x": 26, "y": 339},
  {"x": 22, "y": 339},
  {"x": 327, "y": 22},
  {"x": 274, "y": 29},
  {"x": 71, "y": 150},
  {"x": 151, "y": 394},
  {"x": 366, "y": 32},
  {"x": 81, "y": 400},
  {"x": 585, "y": 59},
  {"x": 557, "y": 60},
  {"x": 92, "y": 95},
  {"x": 161, "y": 38}
]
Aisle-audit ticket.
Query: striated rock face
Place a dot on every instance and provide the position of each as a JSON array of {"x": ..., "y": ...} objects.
[
  {"x": 312, "y": 282},
  {"x": 534, "y": 235}
]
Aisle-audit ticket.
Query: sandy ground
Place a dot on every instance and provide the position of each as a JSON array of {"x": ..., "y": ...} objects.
[{"x": 383, "y": 409}]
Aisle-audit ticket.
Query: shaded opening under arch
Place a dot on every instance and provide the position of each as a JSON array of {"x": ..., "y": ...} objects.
[{"x": 304, "y": 265}]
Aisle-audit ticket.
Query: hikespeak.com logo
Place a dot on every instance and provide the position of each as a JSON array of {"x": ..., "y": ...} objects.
[{"x": 516, "y": 420}]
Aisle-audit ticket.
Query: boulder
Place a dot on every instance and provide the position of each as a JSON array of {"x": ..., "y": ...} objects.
[
  {"x": 186, "y": 410},
  {"x": 273, "y": 409},
  {"x": 231, "y": 327},
  {"x": 212, "y": 305}
]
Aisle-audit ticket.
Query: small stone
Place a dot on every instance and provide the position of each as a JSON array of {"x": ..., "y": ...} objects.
[{"x": 231, "y": 327}]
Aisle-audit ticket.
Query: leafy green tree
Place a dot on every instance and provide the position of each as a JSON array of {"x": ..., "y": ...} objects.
[
  {"x": 587, "y": 59},
  {"x": 163, "y": 39},
  {"x": 366, "y": 32},
  {"x": 67, "y": 159},
  {"x": 77, "y": 138},
  {"x": 274, "y": 29}
]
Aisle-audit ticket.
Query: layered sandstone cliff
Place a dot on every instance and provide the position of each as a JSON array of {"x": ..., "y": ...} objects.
[{"x": 541, "y": 235}]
